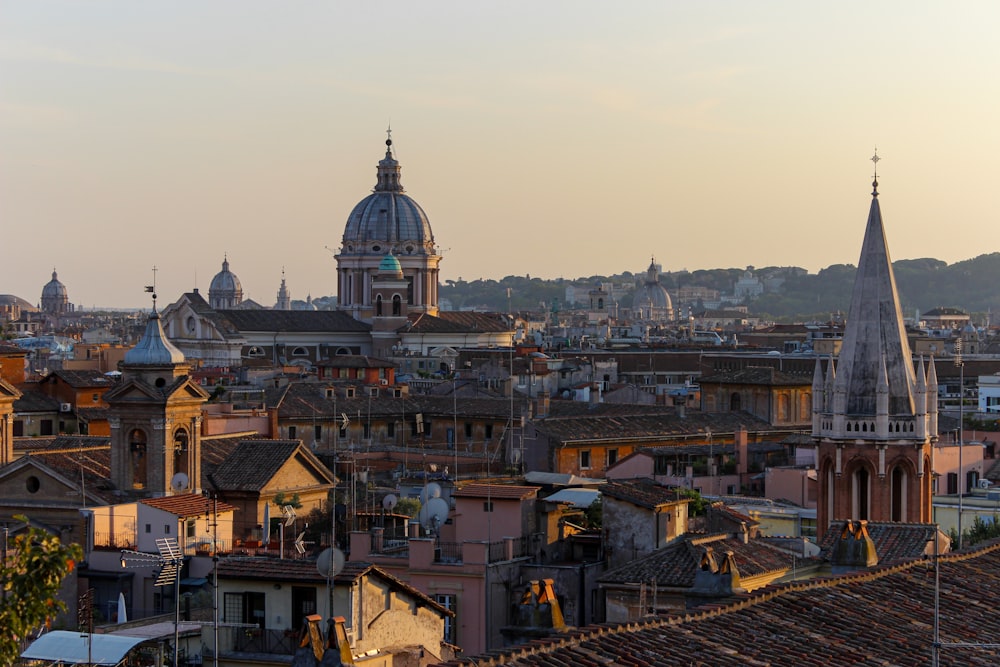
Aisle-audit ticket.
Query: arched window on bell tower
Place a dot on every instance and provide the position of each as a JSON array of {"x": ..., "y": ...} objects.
[
  {"x": 897, "y": 496},
  {"x": 397, "y": 305},
  {"x": 137, "y": 452},
  {"x": 861, "y": 494},
  {"x": 378, "y": 305},
  {"x": 181, "y": 452}
]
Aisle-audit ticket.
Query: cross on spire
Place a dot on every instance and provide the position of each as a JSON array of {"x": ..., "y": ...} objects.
[{"x": 875, "y": 159}]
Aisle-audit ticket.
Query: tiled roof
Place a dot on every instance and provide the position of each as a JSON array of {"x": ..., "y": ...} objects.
[
  {"x": 641, "y": 492},
  {"x": 662, "y": 426},
  {"x": 496, "y": 491},
  {"x": 354, "y": 361},
  {"x": 293, "y": 320},
  {"x": 32, "y": 400},
  {"x": 12, "y": 350},
  {"x": 894, "y": 542},
  {"x": 757, "y": 375},
  {"x": 54, "y": 443},
  {"x": 83, "y": 379},
  {"x": 92, "y": 414},
  {"x": 884, "y": 617},
  {"x": 91, "y": 461},
  {"x": 253, "y": 463},
  {"x": 188, "y": 504},
  {"x": 675, "y": 564},
  {"x": 455, "y": 322}
]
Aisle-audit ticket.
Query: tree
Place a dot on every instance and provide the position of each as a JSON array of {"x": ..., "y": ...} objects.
[{"x": 32, "y": 571}]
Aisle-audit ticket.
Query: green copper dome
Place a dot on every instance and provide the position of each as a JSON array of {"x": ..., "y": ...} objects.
[{"x": 390, "y": 264}]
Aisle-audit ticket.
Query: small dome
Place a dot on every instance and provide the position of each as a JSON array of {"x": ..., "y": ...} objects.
[
  {"x": 154, "y": 349},
  {"x": 390, "y": 265},
  {"x": 54, "y": 289},
  {"x": 225, "y": 280},
  {"x": 225, "y": 292}
]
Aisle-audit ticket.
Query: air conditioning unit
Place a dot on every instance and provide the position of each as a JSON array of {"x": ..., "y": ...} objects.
[
  {"x": 984, "y": 484},
  {"x": 383, "y": 382},
  {"x": 65, "y": 407}
]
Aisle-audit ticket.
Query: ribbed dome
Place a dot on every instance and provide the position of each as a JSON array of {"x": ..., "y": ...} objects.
[
  {"x": 154, "y": 349},
  {"x": 54, "y": 289},
  {"x": 388, "y": 216},
  {"x": 225, "y": 280}
]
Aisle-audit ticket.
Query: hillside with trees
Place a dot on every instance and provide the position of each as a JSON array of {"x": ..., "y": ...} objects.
[{"x": 923, "y": 284}]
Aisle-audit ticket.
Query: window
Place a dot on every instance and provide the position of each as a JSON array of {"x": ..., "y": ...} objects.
[
  {"x": 255, "y": 351},
  {"x": 585, "y": 459},
  {"x": 350, "y": 391},
  {"x": 367, "y": 430},
  {"x": 390, "y": 429},
  {"x": 330, "y": 393},
  {"x": 489, "y": 431},
  {"x": 397, "y": 307},
  {"x": 303, "y": 604},
  {"x": 318, "y": 432},
  {"x": 95, "y": 397},
  {"x": 488, "y": 506},
  {"x": 244, "y": 608},
  {"x": 300, "y": 352},
  {"x": 612, "y": 457},
  {"x": 449, "y": 602},
  {"x": 373, "y": 391},
  {"x": 292, "y": 432},
  {"x": 191, "y": 528},
  {"x": 149, "y": 528},
  {"x": 468, "y": 430},
  {"x": 166, "y": 529}
]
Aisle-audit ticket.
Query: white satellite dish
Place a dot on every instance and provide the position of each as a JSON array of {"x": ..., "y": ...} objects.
[
  {"x": 330, "y": 562},
  {"x": 389, "y": 502},
  {"x": 179, "y": 482},
  {"x": 429, "y": 492},
  {"x": 433, "y": 514}
]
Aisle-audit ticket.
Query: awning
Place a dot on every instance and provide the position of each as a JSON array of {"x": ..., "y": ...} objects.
[{"x": 71, "y": 648}]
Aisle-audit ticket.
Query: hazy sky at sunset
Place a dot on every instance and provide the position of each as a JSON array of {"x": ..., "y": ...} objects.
[{"x": 551, "y": 138}]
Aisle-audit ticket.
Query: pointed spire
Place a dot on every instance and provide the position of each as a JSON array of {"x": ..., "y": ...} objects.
[
  {"x": 874, "y": 331},
  {"x": 875, "y": 158}
]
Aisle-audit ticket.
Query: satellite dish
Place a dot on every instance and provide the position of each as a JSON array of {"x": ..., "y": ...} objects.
[
  {"x": 433, "y": 514},
  {"x": 389, "y": 502},
  {"x": 330, "y": 562},
  {"x": 429, "y": 492},
  {"x": 179, "y": 482}
]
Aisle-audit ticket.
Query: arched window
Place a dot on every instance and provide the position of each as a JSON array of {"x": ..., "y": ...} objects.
[
  {"x": 784, "y": 408},
  {"x": 137, "y": 453},
  {"x": 397, "y": 305},
  {"x": 378, "y": 306},
  {"x": 300, "y": 352},
  {"x": 181, "y": 456},
  {"x": 255, "y": 351}
]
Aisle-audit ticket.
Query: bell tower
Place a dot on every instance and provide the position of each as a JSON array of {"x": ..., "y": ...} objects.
[
  {"x": 155, "y": 416},
  {"x": 874, "y": 415}
]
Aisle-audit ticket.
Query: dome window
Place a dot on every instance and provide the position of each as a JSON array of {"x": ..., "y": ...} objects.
[
  {"x": 300, "y": 352},
  {"x": 255, "y": 351},
  {"x": 376, "y": 248}
]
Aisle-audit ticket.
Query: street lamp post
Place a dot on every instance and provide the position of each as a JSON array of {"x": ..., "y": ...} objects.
[{"x": 170, "y": 560}]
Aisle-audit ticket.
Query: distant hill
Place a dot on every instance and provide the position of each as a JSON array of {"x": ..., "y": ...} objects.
[{"x": 972, "y": 285}]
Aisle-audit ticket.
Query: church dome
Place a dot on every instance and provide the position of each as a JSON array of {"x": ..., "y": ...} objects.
[
  {"x": 388, "y": 219},
  {"x": 154, "y": 349},
  {"x": 652, "y": 300},
  {"x": 54, "y": 289},
  {"x": 225, "y": 292}
]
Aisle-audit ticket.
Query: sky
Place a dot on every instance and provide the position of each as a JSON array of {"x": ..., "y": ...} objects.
[{"x": 556, "y": 139}]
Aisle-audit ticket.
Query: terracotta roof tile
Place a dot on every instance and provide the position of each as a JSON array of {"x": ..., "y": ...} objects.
[
  {"x": 497, "y": 491},
  {"x": 186, "y": 505}
]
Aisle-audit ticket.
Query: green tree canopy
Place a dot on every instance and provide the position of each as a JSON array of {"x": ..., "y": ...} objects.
[{"x": 32, "y": 571}]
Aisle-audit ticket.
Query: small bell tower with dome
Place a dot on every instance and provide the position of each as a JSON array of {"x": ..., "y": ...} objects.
[{"x": 155, "y": 416}]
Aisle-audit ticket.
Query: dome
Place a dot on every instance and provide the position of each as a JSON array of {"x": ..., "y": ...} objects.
[
  {"x": 54, "y": 289},
  {"x": 390, "y": 265},
  {"x": 652, "y": 300},
  {"x": 388, "y": 219},
  {"x": 225, "y": 292},
  {"x": 225, "y": 280},
  {"x": 153, "y": 349}
]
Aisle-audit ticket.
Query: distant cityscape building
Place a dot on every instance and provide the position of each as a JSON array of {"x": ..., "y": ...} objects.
[
  {"x": 225, "y": 292},
  {"x": 55, "y": 299},
  {"x": 652, "y": 302},
  {"x": 284, "y": 301},
  {"x": 387, "y": 221}
]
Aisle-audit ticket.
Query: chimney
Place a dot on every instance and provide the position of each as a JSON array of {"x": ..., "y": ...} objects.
[
  {"x": 742, "y": 453},
  {"x": 542, "y": 409}
]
